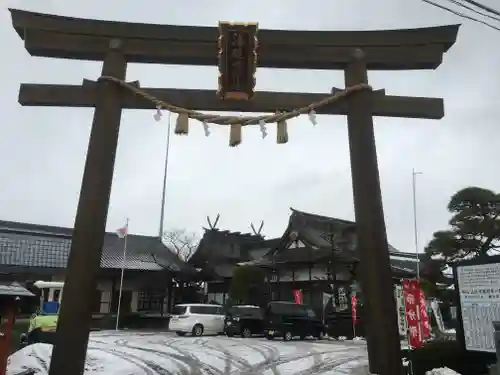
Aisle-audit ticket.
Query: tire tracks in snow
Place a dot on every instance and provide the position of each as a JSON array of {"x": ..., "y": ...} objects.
[
  {"x": 181, "y": 353},
  {"x": 184, "y": 367},
  {"x": 194, "y": 365},
  {"x": 149, "y": 367},
  {"x": 328, "y": 365},
  {"x": 259, "y": 368},
  {"x": 127, "y": 357},
  {"x": 230, "y": 359}
]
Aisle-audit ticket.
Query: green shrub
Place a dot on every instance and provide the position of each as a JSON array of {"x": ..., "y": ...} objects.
[
  {"x": 248, "y": 287},
  {"x": 127, "y": 320},
  {"x": 130, "y": 321},
  {"x": 446, "y": 353}
]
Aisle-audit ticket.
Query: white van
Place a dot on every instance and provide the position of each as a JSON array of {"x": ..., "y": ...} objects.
[{"x": 197, "y": 319}]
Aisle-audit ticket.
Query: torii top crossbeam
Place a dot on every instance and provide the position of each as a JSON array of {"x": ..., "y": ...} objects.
[{"x": 75, "y": 38}]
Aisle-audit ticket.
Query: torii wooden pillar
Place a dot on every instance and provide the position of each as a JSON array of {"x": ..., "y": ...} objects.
[{"x": 117, "y": 43}]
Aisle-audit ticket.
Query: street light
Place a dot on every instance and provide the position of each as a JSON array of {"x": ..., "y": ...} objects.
[{"x": 165, "y": 172}]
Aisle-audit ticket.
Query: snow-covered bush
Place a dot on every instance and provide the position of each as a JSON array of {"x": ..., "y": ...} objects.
[
  {"x": 436, "y": 355},
  {"x": 442, "y": 371}
]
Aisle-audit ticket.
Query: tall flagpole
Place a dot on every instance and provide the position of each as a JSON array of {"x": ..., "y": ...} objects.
[
  {"x": 121, "y": 277},
  {"x": 415, "y": 233},
  {"x": 164, "y": 189},
  {"x": 415, "y": 226}
]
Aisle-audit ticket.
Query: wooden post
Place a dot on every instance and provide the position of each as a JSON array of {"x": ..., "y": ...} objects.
[
  {"x": 8, "y": 314},
  {"x": 383, "y": 338},
  {"x": 170, "y": 294},
  {"x": 68, "y": 356}
]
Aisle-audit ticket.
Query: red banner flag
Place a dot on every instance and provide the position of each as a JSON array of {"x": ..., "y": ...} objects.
[
  {"x": 424, "y": 318},
  {"x": 297, "y": 296},
  {"x": 354, "y": 304},
  {"x": 411, "y": 292}
]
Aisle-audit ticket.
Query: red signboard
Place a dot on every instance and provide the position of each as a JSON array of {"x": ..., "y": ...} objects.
[
  {"x": 411, "y": 292},
  {"x": 354, "y": 304},
  {"x": 424, "y": 318},
  {"x": 297, "y": 296}
]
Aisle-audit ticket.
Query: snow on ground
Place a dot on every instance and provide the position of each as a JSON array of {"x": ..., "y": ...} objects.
[
  {"x": 113, "y": 353},
  {"x": 442, "y": 371}
]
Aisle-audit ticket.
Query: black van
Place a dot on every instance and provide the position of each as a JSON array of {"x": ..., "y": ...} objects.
[
  {"x": 289, "y": 319},
  {"x": 244, "y": 320}
]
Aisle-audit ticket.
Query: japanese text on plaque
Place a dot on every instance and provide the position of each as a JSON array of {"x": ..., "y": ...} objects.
[{"x": 237, "y": 60}]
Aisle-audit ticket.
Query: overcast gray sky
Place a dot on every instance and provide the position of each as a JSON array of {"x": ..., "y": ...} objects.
[{"x": 43, "y": 149}]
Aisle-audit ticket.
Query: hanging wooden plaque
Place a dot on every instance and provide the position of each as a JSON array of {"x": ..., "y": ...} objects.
[{"x": 237, "y": 60}]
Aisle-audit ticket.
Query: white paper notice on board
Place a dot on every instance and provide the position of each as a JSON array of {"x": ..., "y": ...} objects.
[
  {"x": 400, "y": 305},
  {"x": 479, "y": 290}
]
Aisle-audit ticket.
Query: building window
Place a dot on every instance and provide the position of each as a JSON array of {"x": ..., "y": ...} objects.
[
  {"x": 126, "y": 301},
  {"x": 156, "y": 301},
  {"x": 143, "y": 301},
  {"x": 218, "y": 298},
  {"x": 149, "y": 301}
]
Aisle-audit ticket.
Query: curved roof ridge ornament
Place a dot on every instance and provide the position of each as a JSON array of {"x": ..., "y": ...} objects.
[{"x": 213, "y": 225}]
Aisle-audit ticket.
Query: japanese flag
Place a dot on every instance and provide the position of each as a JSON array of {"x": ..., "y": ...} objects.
[{"x": 122, "y": 232}]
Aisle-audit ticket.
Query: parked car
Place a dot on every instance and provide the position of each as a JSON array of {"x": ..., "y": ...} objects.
[
  {"x": 339, "y": 323},
  {"x": 197, "y": 319},
  {"x": 244, "y": 320},
  {"x": 288, "y": 320}
]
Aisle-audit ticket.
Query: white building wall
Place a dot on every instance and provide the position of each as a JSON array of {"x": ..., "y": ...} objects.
[
  {"x": 134, "y": 301},
  {"x": 105, "y": 286}
]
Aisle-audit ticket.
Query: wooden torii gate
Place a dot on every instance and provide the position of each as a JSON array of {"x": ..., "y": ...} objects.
[{"x": 119, "y": 43}]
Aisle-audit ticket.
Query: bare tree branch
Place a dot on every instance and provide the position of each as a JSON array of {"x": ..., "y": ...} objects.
[{"x": 181, "y": 242}]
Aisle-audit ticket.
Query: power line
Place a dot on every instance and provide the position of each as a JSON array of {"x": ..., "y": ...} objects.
[
  {"x": 461, "y": 14},
  {"x": 483, "y": 7},
  {"x": 456, "y": 2}
]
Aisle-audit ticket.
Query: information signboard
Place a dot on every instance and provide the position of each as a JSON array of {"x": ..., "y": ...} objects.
[
  {"x": 400, "y": 305},
  {"x": 479, "y": 293}
]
